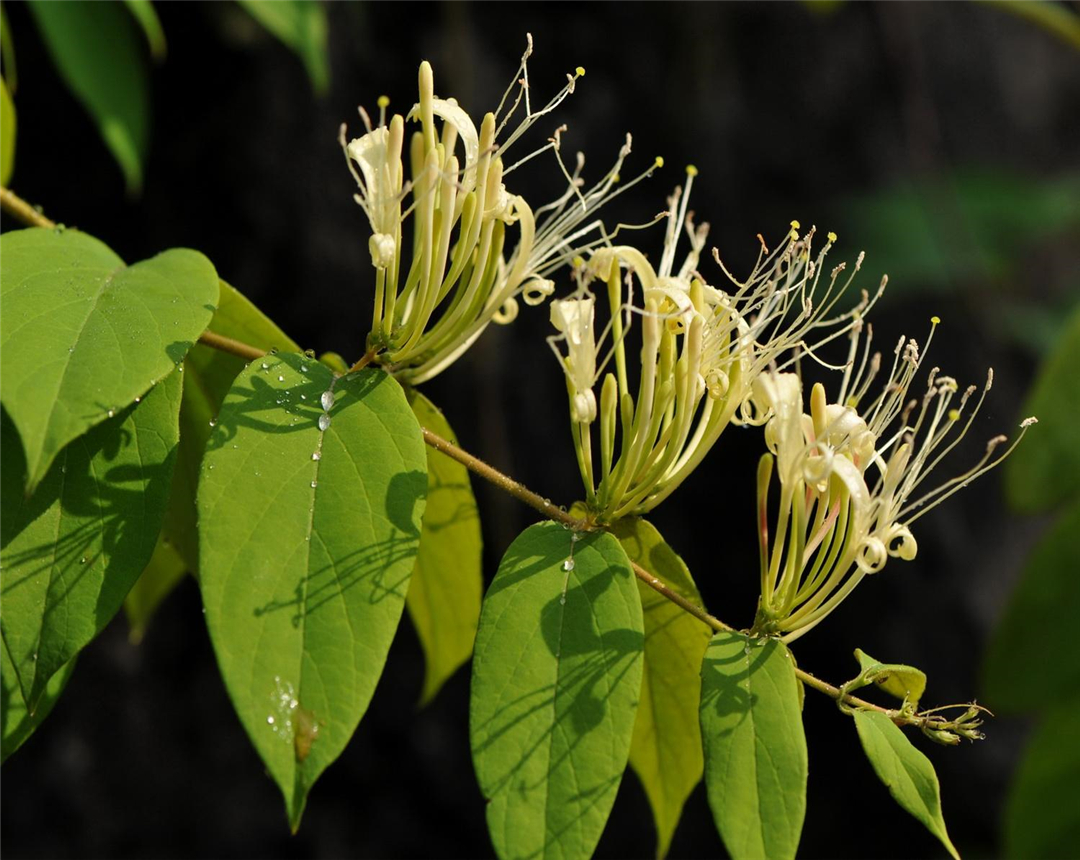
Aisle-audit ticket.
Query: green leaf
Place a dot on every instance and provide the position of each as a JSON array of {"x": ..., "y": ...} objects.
[
  {"x": 904, "y": 682},
  {"x": 95, "y": 47},
  {"x": 1044, "y": 470},
  {"x": 7, "y": 134},
  {"x": 1018, "y": 674},
  {"x": 7, "y": 50},
  {"x": 147, "y": 19},
  {"x": 906, "y": 772},
  {"x": 666, "y": 748},
  {"x": 1040, "y": 814},
  {"x": 755, "y": 748},
  {"x": 555, "y": 684},
  {"x": 444, "y": 594},
  {"x": 164, "y": 572},
  {"x": 71, "y": 553},
  {"x": 16, "y": 723},
  {"x": 83, "y": 335},
  {"x": 300, "y": 25},
  {"x": 208, "y": 375},
  {"x": 307, "y": 542}
]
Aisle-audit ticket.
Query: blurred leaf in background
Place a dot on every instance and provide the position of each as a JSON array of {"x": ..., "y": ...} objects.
[
  {"x": 96, "y": 49},
  {"x": 300, "y": 26},
  {"x": 146, "y": 17},
  {"x": 1033, "y": 661},
  {"x": 7, "y": 134},
  {"x": 971, "y": 230}
]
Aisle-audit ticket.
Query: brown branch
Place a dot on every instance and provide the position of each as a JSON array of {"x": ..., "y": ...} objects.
[
  {"x": 234, "y": 347},
  {"x": 504, "y": 482},
  {"x": 18, "y": 208}
]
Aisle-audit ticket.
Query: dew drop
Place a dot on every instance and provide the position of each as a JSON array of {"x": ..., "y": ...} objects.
[
  {"x": 82, "y": 560},
  {"x": 303, "y": 397},
  {"x": 111, "y": 413},
  {"x": 314, "y": 484},
  {"x": 562, "y": 600},
  {"x": 270, "y": 720},
  {"x": 309, "y": 353},
  {"x": 211, "y": 465},
  {"x": 273, "y": 350},
  {"x": 138, "y": 399},
  {"x": 568, "y": 565},
  {"x": 327, "y": 400},
  {"x": 316, "y": 456},
  {"x": 303, "y": 368},
  {"x": 280, "y": 378},
  {"x": 575, "y": 537},
  {"x": 213, "y": 422},
  {"x": 324, "y": 422}
]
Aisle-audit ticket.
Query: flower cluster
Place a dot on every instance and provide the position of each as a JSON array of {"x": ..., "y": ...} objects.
[
  {"x": 702, "y": 349},
  {"x": 851, "y": 476},
  {"x": 464, "y": 271}
]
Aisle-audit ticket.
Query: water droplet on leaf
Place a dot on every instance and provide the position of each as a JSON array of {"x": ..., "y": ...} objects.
[{"x": 327, "y": 400}]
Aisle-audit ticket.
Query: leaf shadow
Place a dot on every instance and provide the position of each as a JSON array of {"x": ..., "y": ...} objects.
[
  {"x": 724, "y": 690},
  {"x": 591, "y": 664}
]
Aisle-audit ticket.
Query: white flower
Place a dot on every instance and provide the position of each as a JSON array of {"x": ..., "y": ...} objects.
[
  {"x": 850, "y": 475},
  {"x": 573, "y": 319}
]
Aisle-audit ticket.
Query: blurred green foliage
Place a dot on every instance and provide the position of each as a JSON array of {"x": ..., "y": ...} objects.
[{"x": 1033, "y": 661}]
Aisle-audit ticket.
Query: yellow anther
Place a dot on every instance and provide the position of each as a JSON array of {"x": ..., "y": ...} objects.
[
  {"x": 577, "y": 262},
  {"x": 795, "y": 225},
  {"x": 615, "y": 178},
  {"x": 954, "y": 414},
  {"x": 793, "y": 235},
  {"x": 384, "y": 101},
  {"x": 580, "y": 71},
  {"x": 935, "y": 320},
  {"x": 831, "y": 236},
  {"x": 659, "y": 161},
  {"x": 691, "y": 170}
]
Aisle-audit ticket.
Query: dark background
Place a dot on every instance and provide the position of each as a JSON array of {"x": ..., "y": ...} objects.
[{"x": 828, "y": 114}]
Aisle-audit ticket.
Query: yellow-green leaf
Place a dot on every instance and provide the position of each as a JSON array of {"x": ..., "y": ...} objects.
[
  {"x": 755, "y": 748},
  {"x": 157, "y": 582},
  {"x": 896, "y": 679},
  {"x": 444, "y": 593},
  {"x": 906, "y": 772},
  {"x": 665, "y": 751}
]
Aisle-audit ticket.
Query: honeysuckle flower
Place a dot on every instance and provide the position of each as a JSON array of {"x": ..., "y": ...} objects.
[
  {"x": 573, "y": 318},
  {"x": 702, "y": 349},
  {"x": 850, "y": 474},
  {"x": 465, "y": 270}
]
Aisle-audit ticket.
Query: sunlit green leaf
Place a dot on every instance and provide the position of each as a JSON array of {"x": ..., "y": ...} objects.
[
  {"x": 1040, "y": 815},
  {"x": 444, "y": 593},
  {"x": 1039, "y": 621},
  {"x": 308, "y": 537},
  {"x": 7, "y": 134},
  {"x": 83, "y": 335},
  {"x": 208, "y": 375},
  {"x": 301, "y": 26},
  {"x": 147, "y": 19},
  {"x": 755, "y": 748},
  {"x": 1044, "y": 471},
  {"x": 72, "y": 551},
  {"x": 904, "y": 682},
  {"x": 96, "y": 49},
  {"x": 16, "y": 723},
  {"x": 906, "y": 772},
  {"x": 164, "y": 572},
  {"x": 666, "y": 748},
  {"x": 555, "y": 684}
]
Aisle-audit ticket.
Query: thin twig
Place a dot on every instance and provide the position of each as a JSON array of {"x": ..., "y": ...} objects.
[
  {"x": 505, "y": 482},
  {"x": 18, "y": 208},
  {"x": 234, "y": 347}
]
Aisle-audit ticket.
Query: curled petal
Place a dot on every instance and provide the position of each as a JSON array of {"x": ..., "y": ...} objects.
[
  {"x": 536, "y": 290},
  {"x": 872, "y": 555},
  {"x": 902, "y": 542}
]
